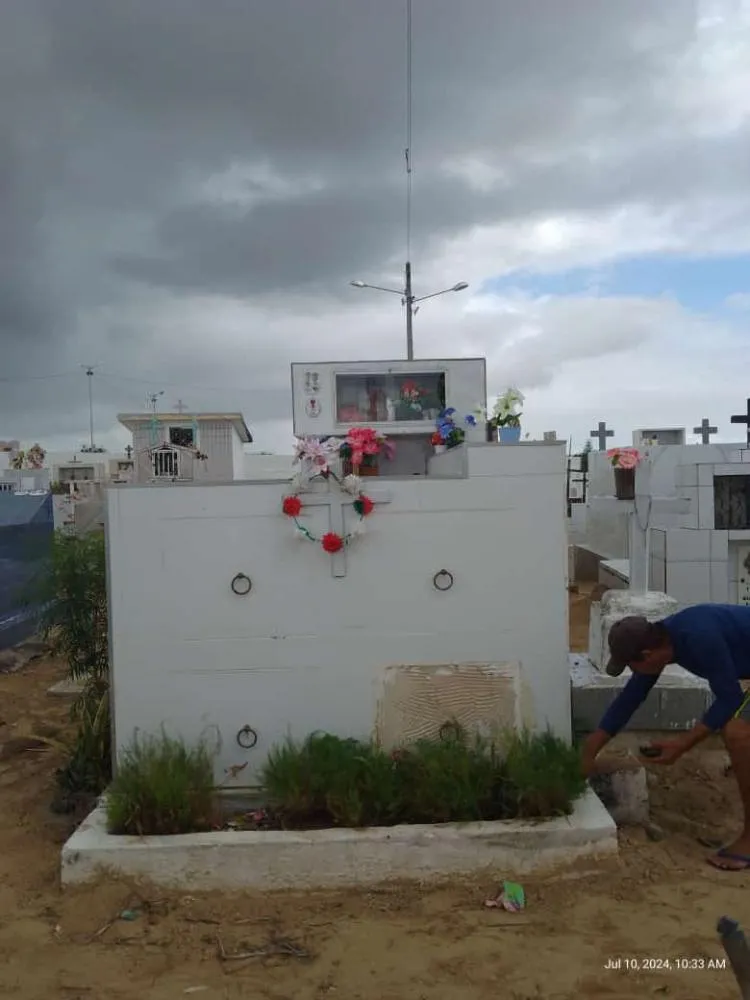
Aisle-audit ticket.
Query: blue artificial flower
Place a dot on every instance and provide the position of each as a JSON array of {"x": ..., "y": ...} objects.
[
  {"x": 471, "y": 420},
  {"x": 445, "y": 430},
  {"x": 449, "y": 411}
]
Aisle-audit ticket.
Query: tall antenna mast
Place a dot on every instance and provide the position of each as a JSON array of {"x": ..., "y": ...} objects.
[
  {"x": 90, "y": 369},
  {"x": 408, "y": 293},
  {"x": 407, "y": 151},
  {"x": 408, "y": 298}
]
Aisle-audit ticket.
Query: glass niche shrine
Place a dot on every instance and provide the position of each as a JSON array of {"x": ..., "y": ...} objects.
[{"x": 400, "y": 399}]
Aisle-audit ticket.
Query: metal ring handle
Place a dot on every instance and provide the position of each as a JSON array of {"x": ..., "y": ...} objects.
[
  {"x": 241, "y": 585},
  {"x": 449, "y": 730},
  {"x": 247, "y": 738},
  {"x": 448, "y": 577}
]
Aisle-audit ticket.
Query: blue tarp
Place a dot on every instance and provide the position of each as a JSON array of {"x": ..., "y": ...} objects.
[{"x": 26, "y": 529}]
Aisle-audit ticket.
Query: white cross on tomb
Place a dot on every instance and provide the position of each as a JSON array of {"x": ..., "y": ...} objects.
[{"x": 337, "y": 501}]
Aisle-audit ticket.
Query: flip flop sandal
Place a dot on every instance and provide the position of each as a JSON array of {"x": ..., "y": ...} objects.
[{"x": 729, "y": 856}]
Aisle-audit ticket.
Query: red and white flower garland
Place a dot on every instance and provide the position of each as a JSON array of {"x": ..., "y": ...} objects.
[{"x": 331, "y": 542}]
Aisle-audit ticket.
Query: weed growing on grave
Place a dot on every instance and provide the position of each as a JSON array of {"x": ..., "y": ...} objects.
[
  {"x": 88, "y": 769},
  {"x": 162, "y": 787},
  {"x": 71, "y": 590},
  {"x": 543, "y": 774},
  {"x": 328, "y": 781}
]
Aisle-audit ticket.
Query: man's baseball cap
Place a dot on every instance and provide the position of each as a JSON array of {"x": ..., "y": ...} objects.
[{"x": 628, "y": 638}]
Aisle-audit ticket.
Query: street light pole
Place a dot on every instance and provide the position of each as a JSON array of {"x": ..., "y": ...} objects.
[
  {"x": 89, "y": 369},
  {"x": 409, "y": 300}
]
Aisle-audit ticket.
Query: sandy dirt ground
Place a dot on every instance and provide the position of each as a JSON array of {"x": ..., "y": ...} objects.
[{"x": 658, "y": 902}]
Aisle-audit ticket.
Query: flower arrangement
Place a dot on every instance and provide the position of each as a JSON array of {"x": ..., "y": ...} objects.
[
  {"x": 505, "y": 412},
  {"x": 448, "y": 434},
  {"x": 624, "y": 458},
  {"x": 412, "y": 395},
  {"x": 31, "y": 459},
  {"x": 35, "y": 456},
  {"x": 362, "y": 446},
  {"x": 315, "y": 455}
]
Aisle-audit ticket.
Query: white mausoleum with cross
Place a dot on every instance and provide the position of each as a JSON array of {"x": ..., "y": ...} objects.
[
  {"x": 229, "y": 622},
  {"x": 692, "y": 547}
]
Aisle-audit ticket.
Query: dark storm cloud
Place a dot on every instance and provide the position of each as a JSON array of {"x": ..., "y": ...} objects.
[{"x": 113, "y": 111}]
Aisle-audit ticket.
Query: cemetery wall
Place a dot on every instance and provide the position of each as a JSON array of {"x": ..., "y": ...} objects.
[{"x": 306, "y": 651}]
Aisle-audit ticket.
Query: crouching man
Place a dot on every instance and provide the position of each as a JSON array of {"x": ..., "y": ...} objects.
[{"x": 711, "y": 641}]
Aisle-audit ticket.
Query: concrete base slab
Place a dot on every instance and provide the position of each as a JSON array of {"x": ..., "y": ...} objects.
[
  {"x": 677, "y": 702},
  {"x": 319, "y": 858}
]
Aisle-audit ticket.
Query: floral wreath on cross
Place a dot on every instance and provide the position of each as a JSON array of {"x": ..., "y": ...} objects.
[
  {"x": 331, "y": 542},
  {"x": 317, "y": 454}
]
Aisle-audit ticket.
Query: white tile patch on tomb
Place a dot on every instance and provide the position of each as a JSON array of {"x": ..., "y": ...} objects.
[{"x": 315, "y": 643}]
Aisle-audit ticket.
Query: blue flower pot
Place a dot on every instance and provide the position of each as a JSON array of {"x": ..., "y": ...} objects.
[{"x": 509, "y": 435}]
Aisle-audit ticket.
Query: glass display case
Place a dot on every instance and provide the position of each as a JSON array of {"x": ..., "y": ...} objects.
[
  {"x": 400, "y": 398},
  {"x": 389, "y": 397}
]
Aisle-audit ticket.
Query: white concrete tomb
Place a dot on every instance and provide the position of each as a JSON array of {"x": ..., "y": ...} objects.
[{"x": 456, "y": 587}]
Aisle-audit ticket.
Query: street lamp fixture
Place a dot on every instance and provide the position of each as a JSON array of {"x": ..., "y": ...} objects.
[{"x": 410, "y": 301}]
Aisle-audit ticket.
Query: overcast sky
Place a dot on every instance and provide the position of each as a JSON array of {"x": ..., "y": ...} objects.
[{"x": 187, "y": 187}]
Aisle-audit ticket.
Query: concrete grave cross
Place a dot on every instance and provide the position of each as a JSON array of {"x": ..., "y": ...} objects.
[
  {"x": 744, "y": 418},
  {"x": 602, "y": 434},
  {"x": 705, "y": 430},
  {"x": 337, "y": 501}
]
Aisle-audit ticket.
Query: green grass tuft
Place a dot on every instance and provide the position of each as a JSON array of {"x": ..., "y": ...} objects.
[
  {"x": 544, "y": 774},
  {"x": 327, "y": 781},
  {"x": 162, "y": 787}
]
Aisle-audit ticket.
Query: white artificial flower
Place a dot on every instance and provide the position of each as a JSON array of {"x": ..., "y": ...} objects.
[{"x": 352, "y": 484}]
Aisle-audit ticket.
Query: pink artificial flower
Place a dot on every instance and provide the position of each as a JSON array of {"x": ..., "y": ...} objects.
[
  {"x": 315, "y": 451},
  {"x": 365, "y": 441},
  {"x": 624, "y": 458}
]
